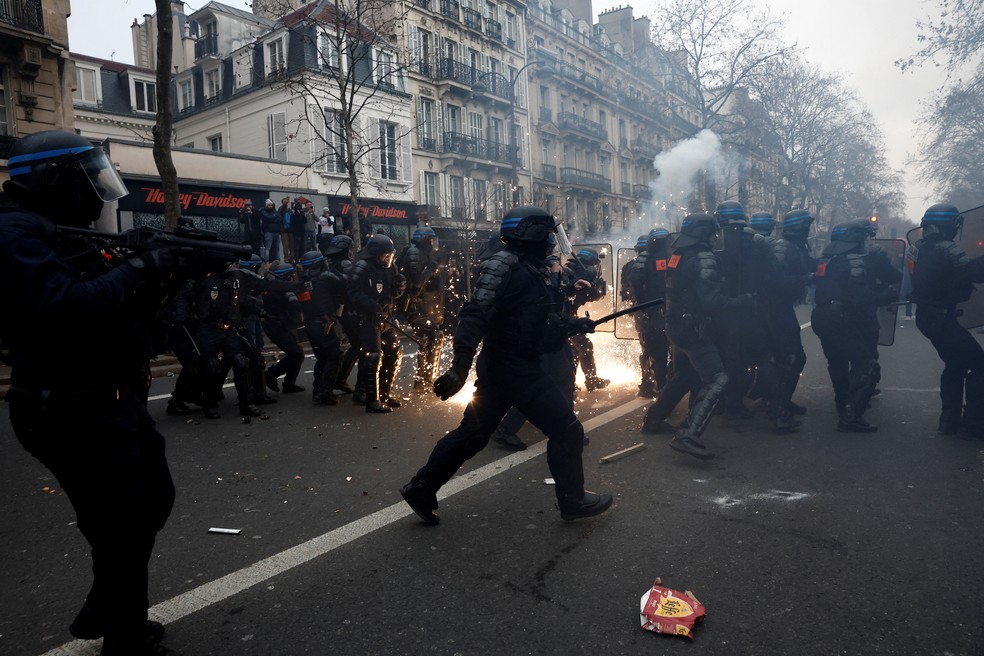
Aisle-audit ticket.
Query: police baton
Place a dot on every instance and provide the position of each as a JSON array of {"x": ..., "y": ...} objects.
[
  {"x": 630, "y": 310},
  {"x": 396, "y": 325}
]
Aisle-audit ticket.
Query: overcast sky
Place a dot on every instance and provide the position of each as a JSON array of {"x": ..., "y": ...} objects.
[{"x": 859, "y": 38}]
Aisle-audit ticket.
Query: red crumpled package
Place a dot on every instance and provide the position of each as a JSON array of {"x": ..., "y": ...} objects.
[{"x": 663, "y": 610}]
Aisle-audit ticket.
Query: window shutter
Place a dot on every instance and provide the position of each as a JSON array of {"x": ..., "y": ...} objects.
[
  {"x": 277, "y": 127},
  {"x": 374, "y": 144},
  {"x": 403, "y": 152}
]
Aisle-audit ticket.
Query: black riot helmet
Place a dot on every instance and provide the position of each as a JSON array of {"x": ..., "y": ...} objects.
[
  {"x": 696, "y": 229},
  {"x": 283, "y": 271},
  {"x": 640, "y": 244},
  {"x": 796, "y": 224},
  {"x": 62, "y": 176},
  {"x": 848, "y": 237},
  {"x": 942, "y": 219},
  {"x": 380, "y": 247},
  {"x": 655, "y": 236},
  {"x": 589, "y": 257},
  {"x": 425, "y": 237},
  {"x": 312, "y": 260},
  {"x": 253, "y": 264},
  {"x": 340, "y": 245},
  {"x": 729, "y": 211},
  {"x": 527, "y": 223},
  {"x": 762, "y": 223}
]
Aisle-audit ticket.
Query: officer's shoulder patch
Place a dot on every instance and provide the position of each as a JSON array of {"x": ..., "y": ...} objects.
[{"x": 674, "y": 261}]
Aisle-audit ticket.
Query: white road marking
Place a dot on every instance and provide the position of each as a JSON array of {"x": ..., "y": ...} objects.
[{"x": 224, "y": 587}]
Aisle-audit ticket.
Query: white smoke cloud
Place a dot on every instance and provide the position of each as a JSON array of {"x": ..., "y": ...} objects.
[{"x": 679, "y": 167}]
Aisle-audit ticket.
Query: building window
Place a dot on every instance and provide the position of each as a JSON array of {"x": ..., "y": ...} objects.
[
  {"x": 386, "y": 69},
  {"x": 276, "y": 61},
  {"x": 481, "y": 199},
  {"x": 88, "y": 90},
  {"x": 430, "y": 188},
  {"x": 425, "y": 124},
  {"x": 187, "y": 96},
  {"x": 329, "y": 55},
  {"x": 475, "y": 121},
  {"x": 213, "y": 85},
  {"x": 388, "y": 147},
  {"x": 6, "y": 129},
  {"x": 215, "y": 143},
  {"x": 144, "y": 96},
  {"x": 333, "y": 159},
  {"x": 457, "y": 196},
  {"x": 277, "y": 127}
]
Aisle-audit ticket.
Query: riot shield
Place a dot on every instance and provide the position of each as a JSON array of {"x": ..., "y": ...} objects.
[
  {"x": 624, "y": 325},
  {"x": 605, "y": 304},
  {"x": 970, "y": 239},
  {"x": 894, "y": 249}
]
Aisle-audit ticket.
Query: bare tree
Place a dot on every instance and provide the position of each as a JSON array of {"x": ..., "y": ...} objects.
[
  {"x": 164, "y": 126},
  {"x": 355, "y": 110},
  {"x": 956, "y": 36},
  {"x": 953, "y": 145},
  {"x": 724, "y": 46}
]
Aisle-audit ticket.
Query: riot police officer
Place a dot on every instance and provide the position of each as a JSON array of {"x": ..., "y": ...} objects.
[
  {"x": 844, "y": 320},
  {"x": 320, "y": 308},
  {"x": 516, "y": 315},
  {"x": 281, "y": 319},
  {"x": 694, "y": 302},
  {"x": 86, "y": 423},
  {"x": 943, "y": 276},
  {"x": 338, "y": 259},
  {"x": 423, "y": 303},
  {"x": 373, "y": 289},
  {"x": 632, "y": 291},
  {"x": 795, "y": 267},
  {"x": 649, "y": 283},
  {"x": 763, "y": 223},
  {"x": 586, "y": 266}
]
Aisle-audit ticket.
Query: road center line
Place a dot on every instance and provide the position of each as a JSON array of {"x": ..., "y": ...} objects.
[{"x": 226, "y": 586}]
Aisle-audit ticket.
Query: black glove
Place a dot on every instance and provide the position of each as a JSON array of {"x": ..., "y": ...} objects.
[
  {"x": 158, "y": 262},
  {"x": 580, "y": 326},
  {"x": 449, "y": 383}
]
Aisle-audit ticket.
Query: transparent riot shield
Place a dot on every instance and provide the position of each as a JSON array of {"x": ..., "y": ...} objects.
[
  {"x": 606, "y": 304},
  {"x": 970, "y": 239},
  {"x": 624, "y": 325},
  {"x": 894, "y": 249}
]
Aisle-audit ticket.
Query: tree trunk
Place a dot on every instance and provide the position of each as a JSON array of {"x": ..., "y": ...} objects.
[{"x": 163, "y": 126}]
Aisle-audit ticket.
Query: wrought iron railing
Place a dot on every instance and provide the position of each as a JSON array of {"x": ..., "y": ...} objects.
[
  {"x": 449, "y": 8},
  {"x": 25, "y": 14},
  {"x": 569, "y": 175},
  {"x": 471, "y": 18},
  {"x": 586, "y": 126},
  {"x": 207, "y": 44},
  {"x": 469, "y": 146},
  {"x": 493, "y": 30},
  {"x": 550, "y": 172}
]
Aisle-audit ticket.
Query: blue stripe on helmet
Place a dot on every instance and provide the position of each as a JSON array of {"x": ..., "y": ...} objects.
[
  {"x": 511, "y": 222},
  {"x": 727, "y": 211},
  {"x": 308, "y": 263},
  {"x": 929, "y": 216},
  {"x": 21, "y": 170},
  {"x": 47, "y": 154}
]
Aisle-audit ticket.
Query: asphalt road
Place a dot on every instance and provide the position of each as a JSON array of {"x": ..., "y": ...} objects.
[{"x": 810, "y": 544}]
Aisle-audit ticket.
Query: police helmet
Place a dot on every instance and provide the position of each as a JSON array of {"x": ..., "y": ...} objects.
[
  {"x": 696, "y": 229},
  {"x": 846, "y": 237},
  {"x": 942, "y": 219},
  {"x": 379, "y": 244},
  {"x": 424, "y": 235},
  {"x": 283, "y": 270},
  {"x": 589, "y": 257},
  {"x": 527, "y": 223},
  {"x": 311, "y": 260},
  {"x": 340, "y": 244},
  {"x": 641, "y": 242},
  {"x": 730, "y": 211},
  {"x": 252, "y": 264},
  {"x": 796, "y": 223},
  {"x": 762, "y": 223},
  {"x": 62, "y": 175}
]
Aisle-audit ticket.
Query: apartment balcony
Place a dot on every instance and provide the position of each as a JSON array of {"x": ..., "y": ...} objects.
[
  {"x": 549, "y": 64},
  {"x": 626, "y": 189},
  {"x": 207, "y": 45},
  {"x": 427, "y": 143},
  {"x": 23, "y": 14},
  {"x": 589, "y": 179},
  {"x": 449, "y": 9},
  {"x": 493, "y": 30},
  {"x": 471, "y": 18},
  {"x": 550, "y": 172},
  {"x": 464, "y": 145},
  {"x": 494, "y": 84},
  {"x": 459, "y": 77},
  {"x": 644, "y": 148},
  {"x": 546, "y": 115},
  {"x": 581, "y": 125},
  {"x": 642, "y": 191}
]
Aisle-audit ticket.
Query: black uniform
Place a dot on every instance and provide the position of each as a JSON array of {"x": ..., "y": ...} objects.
[
  {"x": 86, "y": 422},
  {"x": 423, "y": 307},
  {"x": 647, "y": 281},
  {"x": 794, "y": 269},
  {"x": 321, "y": 309},
  {"x": 942, "y": 276},
  {"x": 844, "y": 319},
  {"x": 581, "y": 344},
  {"x": 694, "y": 303},
  {"x": 281, "y": 319}
]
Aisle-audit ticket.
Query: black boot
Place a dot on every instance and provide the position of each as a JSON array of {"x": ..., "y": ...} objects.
[
  {"x": 685, "y": 442},
  {"x": 589, "y": 505},
  {"x": 422, "y": 499},
  {"x": 949, "y": 423},
  {"x": 178, "y": 408},
  {"x": 508, "y": 441},
  {"x": 851, "y": 422}
]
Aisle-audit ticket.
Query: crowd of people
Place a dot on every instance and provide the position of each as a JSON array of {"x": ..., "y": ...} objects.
[{"x": 726, "y": 332}]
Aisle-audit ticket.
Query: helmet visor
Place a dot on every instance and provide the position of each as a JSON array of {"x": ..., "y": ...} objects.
[{"x": 102, "y": 174}]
